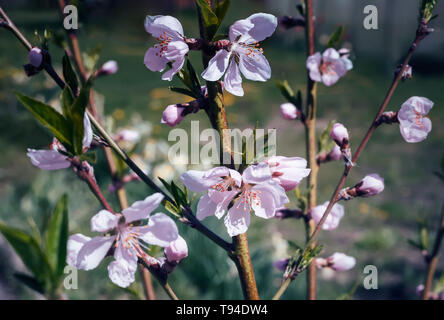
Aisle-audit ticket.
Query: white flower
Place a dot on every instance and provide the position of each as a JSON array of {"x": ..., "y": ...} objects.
[
  {"x": 329, "y": 67},
  {"x": 171, "y": 47},
  {"x": 371, "y": 185},
  {"x": 412, "y": 123},
  {"x": 86, "y": 253},
  {"x": 244, "y": 55},
  {"x": 254, "y": 191}
]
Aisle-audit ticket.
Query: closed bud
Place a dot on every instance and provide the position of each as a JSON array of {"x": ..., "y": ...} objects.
[
  {"x": 172, "y": 115},
  {"x": 341, "y": 262},
  {"x": 108, "y": 68},
  {"x": 371, "y": 185},
  {"x": 339, "y": 134},
  {"x": 177, "y": 250},
  {"x": 35, "y": 57},
  {"x": 289, "y": 111}
]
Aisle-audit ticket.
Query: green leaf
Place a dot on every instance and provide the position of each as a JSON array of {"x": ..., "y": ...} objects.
[
  {"x": 67, "y": 99},
  {"x": 209, "y": 19},
  {"x": 29, "y": 251},
  {"x": 183, "y": 91},
  {"x": 165, "y": 184},
  {"x": 69, "y": 74},
  {"x": 426, "y": 9},
  {"x": 89, "y": 156},
  {"x": 178, "y": 195},
  {"x": 77, "y": 115},
  {"x": 49, "y": 118},
  {"x": 56, "y": 236},
  {"x": 30, "y": 282},
  {"x": 221, "y": 9},
  {"x": 288, "y": 93},
  {"x": 336, "y": 37},
  {"x": 301, "y": 9},
  {"x": 194, "y": 79}
]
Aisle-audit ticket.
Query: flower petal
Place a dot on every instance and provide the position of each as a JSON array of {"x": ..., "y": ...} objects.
[
  {"x": 255, "y": 66},
  {"x": 264, "y": 25},
  {"x": 313, "y": 63},
  {"x": 88, "y": 135},
  {"x": 217, "y": 66},
  {"x": 48, "y": 159},
  {"x": 176, "y": 50},
  {"x": 122, "y": 273},
  {"x": 237, "y": 220},
  {"x": 154, "y": 61},
  {"x": 157, "y": 25},
  {"x": 104, "y": 221},
  {"x": 160, "y": 231},
  {"x": 256, "y": 27},
  {"x": 75, "y": 243},
  {"x": 200, "y": 181},
  {"x": 233, "y": 80},
  {"x": 257, "y": 173},
  {"x": 140, "y": 210},
  {"x": 93, "y": 252},
  {"x": 175, "y": 68}
]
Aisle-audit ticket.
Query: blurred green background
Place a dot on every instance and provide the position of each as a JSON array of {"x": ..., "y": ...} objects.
[{"x": 374, "y": 230}]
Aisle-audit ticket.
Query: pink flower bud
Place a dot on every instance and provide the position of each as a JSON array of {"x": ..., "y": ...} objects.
[
  {"x": 335, "y": 154},
  {"x": 177, "y": 250},
  {"x": 172, "y": 115},
  {"x": 341, "y": 262},
  {"x": 108, "y": 68},
  {"x": 339, "y": 134},
  {"x": 35, "y": 57},
  {"x": 289, "y": 111},
  {"x": 371, "y": 185}
]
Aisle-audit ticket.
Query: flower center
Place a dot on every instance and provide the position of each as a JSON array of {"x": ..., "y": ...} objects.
[
  {"x": 326, "y": 67},
  {"x": 252, "y": 50},
  {"x": 418, "y": 119},
  {"x": 226, "y": 184},
  {"x": 248, "y": 198},
  {"x": 164, "y": 40},
  {"x": 128, "y": 239}
]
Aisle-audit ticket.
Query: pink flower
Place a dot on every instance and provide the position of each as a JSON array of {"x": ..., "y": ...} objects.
[
  {"x": 86, "y": 253},
  {"x": 127, "y": 135},
  {"x": 108, "y": 68},
  {"x": 412, "y": 123},
  {"x": 288, "y": 172},
  {"x": 171, "y": 47},
  {"x": 244, "y": 55},
  {"x": 172, "y": 115},
  {"x": 52, "y": 159},
  {"x": 341, "y": 262},
  {"x": 35, "y": 57},
  {"x": 289, "y": 111},
  {"x": 254, "y": 191},
  {"x": 177, "y": 250},
  {"x": 345, "y": 55},
  {"x": 339, "y": 134},
  {"x": 371, "y": 185},
  {"x": 334, "y": 217},
  {"x": 335, "y": 154},
  {"x": 329, "y": 67}
]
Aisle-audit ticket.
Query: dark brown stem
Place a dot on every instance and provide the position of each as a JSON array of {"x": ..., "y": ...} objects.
[
  {"x": 310, "y": 129},
  {"x": 432, "y": 257},
  {"x": 84, "y": 173}
]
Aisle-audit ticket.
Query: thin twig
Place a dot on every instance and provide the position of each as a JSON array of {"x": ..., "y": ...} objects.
[{"x": 310, "y": 129}]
